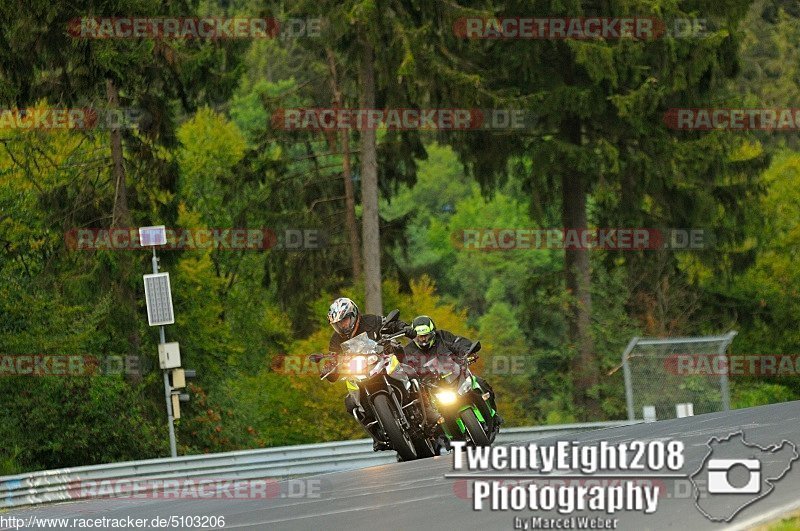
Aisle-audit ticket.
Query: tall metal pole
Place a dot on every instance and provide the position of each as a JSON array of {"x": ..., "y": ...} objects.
[
  {"x": 724, "y": 386},
  {"x": 173, "y": 447},
  {"x": 626, "y": 370}
]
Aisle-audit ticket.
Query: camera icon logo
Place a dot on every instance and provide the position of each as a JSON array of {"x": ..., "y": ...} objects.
[
  {"x": 736, "y": 473},
  {"x": 719, "y": 483}
]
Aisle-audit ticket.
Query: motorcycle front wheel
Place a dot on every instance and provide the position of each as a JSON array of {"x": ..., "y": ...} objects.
[
  {"x": 399, "y": 439},
  {"x": 474, "y": 428}
]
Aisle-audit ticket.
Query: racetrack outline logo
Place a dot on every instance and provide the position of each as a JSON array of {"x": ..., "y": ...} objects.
[{"x": 719, "y": 486}]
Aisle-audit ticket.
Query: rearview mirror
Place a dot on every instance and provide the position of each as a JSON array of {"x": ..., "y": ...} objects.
[
  {"x": 475, "y": 347},
  {"x": 315, "y": 358},
  {"x": 391, "y": 317}
]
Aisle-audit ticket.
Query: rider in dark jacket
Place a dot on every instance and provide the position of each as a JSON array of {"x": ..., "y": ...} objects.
[
  {"x": 347, "y": 323},
  {"x": 431, "y": 343}
]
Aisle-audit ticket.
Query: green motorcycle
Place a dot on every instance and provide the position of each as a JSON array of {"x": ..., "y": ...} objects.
[{"x": 456, "y": 393}]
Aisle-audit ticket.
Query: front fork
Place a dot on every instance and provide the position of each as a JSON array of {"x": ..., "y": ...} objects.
[
  {"x": 392, "y": 393},
  {"x": 453, "y": 425},
  {"x": 483, "y": 411}
]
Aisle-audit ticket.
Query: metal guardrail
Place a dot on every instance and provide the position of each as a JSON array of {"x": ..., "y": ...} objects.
[{"x": 51, "y": 486}]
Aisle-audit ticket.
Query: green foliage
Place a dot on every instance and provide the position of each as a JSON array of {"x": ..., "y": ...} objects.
[
  {"x": 763, "y": 295},
  {"x": 505, "y": 360},
  {"x": 210, "y": 149},
  {"x": 9, "y": 461},
  {"x": 760, "y": 394},
  {"x": 59, "y": 422}
]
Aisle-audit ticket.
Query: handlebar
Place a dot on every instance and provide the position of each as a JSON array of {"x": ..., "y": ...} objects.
[
  {"x": 382, "y": 341},
  {"x": 391, "y": 337}
]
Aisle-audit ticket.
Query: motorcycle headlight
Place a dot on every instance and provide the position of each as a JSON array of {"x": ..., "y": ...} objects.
[
  {"x": 446, "y": 397},
  {"x": 357, "y": 365},
  {"x": 360, "y": 365}
]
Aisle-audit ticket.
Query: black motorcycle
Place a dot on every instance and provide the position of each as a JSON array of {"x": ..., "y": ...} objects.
[{"x": 390, "y": 390}]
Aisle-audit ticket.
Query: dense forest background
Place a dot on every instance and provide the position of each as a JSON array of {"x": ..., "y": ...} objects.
[{"x": 206, "y": 155}]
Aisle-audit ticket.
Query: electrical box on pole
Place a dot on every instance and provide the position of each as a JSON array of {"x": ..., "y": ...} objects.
[{"x": 169, "y": 355}]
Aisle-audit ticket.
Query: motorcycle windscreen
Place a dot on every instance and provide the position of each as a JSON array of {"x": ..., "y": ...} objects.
[
  {"x": 444, "y": 367},
  {"x": 361, "y": 344}
]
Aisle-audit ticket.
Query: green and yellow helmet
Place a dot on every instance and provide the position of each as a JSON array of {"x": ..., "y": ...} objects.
[{"x": 426, "y": 331}]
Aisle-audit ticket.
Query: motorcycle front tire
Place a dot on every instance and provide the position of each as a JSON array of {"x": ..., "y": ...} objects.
[
  {"x": 399, "y": 439},
  {"x": 474, "y": 428}
]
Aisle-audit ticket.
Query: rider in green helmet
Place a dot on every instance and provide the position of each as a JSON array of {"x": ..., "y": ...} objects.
[{"x": 431, "y": 342}]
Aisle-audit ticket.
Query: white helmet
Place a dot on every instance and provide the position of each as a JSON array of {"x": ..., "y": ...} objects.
[{"x": 343, "y": 315}]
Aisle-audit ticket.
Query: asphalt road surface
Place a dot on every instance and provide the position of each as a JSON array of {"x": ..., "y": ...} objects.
[{"x": 417, "y": 495}]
